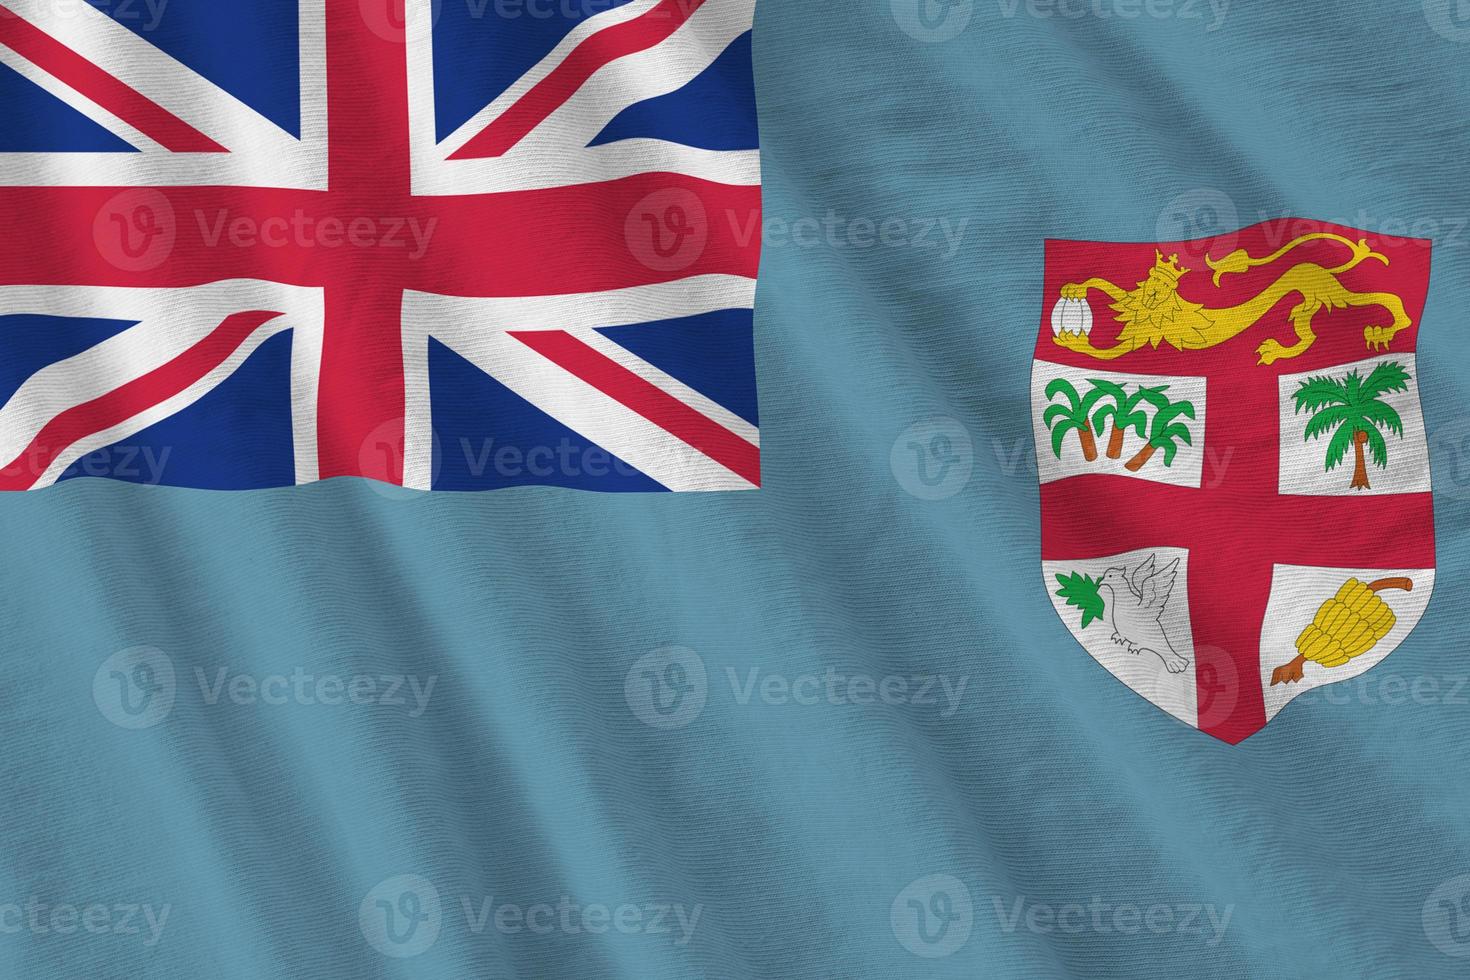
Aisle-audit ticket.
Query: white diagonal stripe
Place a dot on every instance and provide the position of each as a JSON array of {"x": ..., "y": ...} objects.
[
  {"x": 78, "y": 101},
  {"x": 152, "y": 73},
  {"x": 162, "y": 410},
  {"x": 477, "y": 123},
  {"x": 659, "y": 70},
  {"x": 169, "y": 322},
  {"x": 604, "y": 420},
  {"x": 477, "y": 328},
  {"x": 670, "y": 385},
  {"x": 260, "y": 152},
  {"x": 546, "y": 158}
]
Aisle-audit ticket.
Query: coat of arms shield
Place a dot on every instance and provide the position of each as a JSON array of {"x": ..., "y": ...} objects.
[{"x": 1235, "y": 484}]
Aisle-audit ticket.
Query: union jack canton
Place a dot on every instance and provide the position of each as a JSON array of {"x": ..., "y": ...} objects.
[{"x": 445, "y": 244}]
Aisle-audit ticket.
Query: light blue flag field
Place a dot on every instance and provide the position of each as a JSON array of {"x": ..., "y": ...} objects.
[{"x": 718, "y": 490}]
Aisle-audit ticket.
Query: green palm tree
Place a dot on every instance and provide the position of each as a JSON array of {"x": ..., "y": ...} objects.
[
  {"x": 1072, "y": 416},
  {"x": 1164, "y": 429},
  {"x": 1351, "y": 408},
  {"x": 1125, "y": 411}
]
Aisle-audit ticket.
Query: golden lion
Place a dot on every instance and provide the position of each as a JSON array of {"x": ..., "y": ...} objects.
[{"x": 1155, "y": 312}]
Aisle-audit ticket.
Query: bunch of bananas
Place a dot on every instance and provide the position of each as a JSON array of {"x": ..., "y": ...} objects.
[{"x": 1349, "y": 624}]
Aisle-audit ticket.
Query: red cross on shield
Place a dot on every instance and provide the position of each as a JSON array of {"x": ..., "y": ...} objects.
[{"x": 1235, "y": 480}]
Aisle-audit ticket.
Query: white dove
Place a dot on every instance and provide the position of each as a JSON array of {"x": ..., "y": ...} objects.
[{"x": 1137, "y": 603}]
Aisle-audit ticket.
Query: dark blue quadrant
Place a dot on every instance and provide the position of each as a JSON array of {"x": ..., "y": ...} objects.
[
  {"x": 32, "y": 120},
  {"x": 713, "y": 353},
  {"x": 488, "y": 437},
  {"x": 29, "y": 343},
  {"x": 716, "y": 111},
  {"x": 251, "y": 50},
  {"x": 237, "y": 437},
  {"x": 482, "y": 47}
]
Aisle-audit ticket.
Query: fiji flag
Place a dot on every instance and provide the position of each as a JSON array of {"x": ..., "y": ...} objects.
[{"x": 447, "y": 245}]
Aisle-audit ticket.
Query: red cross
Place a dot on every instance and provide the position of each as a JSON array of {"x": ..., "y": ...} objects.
[
  {"x": 527, "y": 243},
  {"x": 1236, "y": 524}
]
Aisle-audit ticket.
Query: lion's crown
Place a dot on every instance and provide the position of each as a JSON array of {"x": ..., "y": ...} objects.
[{"x": 1170, "y": 270}]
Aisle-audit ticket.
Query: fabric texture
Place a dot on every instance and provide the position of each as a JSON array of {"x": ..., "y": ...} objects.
[{"x": 832, "y": 728}]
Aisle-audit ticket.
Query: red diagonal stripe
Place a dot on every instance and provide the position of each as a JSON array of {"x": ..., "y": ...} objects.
[
  {"x": 127, "y": 401},
  {"x": 648, "y": 400},
  {"x": 129, "y": 105},
  {"x": 553, "y": 91}
]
